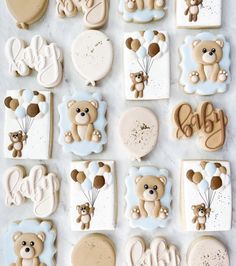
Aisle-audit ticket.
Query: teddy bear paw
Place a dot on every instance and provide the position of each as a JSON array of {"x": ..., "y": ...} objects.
[
  {"x": 68, "y": 137},
  {"x": 163, "y": 213},
  {"x": 135, "y": 213},
  {"x": 159, "y": 3},
  {"x": 194, "y": 77},
  {"x": 96, "y": 136},
  {"x": 222, "y": 76}
]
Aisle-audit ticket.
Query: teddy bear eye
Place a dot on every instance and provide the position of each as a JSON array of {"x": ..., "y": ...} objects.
[
  {"x": 213, "y": 50},
  {"x": 31, "y": 243},
  {"x": 23, "y": 243},
  {"x": 155, "y": 187},
  {"x": 204, "y": 50},
  {"x": 77, "y": 110},
  {"x": 86, "y": 110},
  {"x": 146, "y": 186}
]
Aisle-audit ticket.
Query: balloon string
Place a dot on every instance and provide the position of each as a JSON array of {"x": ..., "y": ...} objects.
[
  {"x": 152, "y": 60},
  {"x": 85, "y": 195},
  {"x": 98, "y": 191},
  {"x": 21, "y": 127},
  {"x": 202, "y": 197},
  {"x": 142, "y": 67},
  {"x": 212, "y": 198}
]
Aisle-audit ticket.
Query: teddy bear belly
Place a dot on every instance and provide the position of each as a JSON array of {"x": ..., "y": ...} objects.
[
  {"x": 85, "y": 219},
  {"x": 208, "y": 71},
  {"x": 194, "y": 10},
  {"x": 149, "y": 207},
  {"x": 82, "y": 131},
  {"x": 139, "y": 87},
  {"x": 18, "y": 146},
  {"x": 201, "y": 220},
  {"x": 27, "y": 262}
]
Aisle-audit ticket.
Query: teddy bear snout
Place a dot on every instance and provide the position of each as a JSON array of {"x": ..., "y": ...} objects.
[
  {"x": 82, "y": 118},
  {"x": 27, "y": 252},
  {"x": 209, "y": 57}
]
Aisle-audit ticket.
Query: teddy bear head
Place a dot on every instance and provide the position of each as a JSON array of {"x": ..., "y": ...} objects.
[
  {"x": 28, "y": 245},
  {"x": 199, "y": 210},
  {"x": 193, "y": 2},
  {"x": 137, "y": 77},
  {"x": 208, "y": 52},
  {"x": 16, "y": 136},
  {"x": 82, "y": 112},
  {"x": 83, "y": 209},
  {"x": 150, "y": 188}
]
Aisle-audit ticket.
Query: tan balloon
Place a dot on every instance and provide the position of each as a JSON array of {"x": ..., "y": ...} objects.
[
  {"x": 153, "y": 49},
  {"x": 98, "y": 182},
  {"x": 128, "y": 43},
  {"x": 7, "y": 101},
  {"x": 135, "y": 45},
  {"x": 14, "y": 103}
]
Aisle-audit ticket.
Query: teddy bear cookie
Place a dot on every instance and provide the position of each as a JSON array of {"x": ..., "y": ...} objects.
[
  {"x": 207, "y": 121},
  {"x": 206, "y": 196},
  {"x": 205, "y": 64},
  {"x": 138, "y": 130},
  {"x": 95, "y": 11},
  {"x": 28, "y": 124},
  {"x": 44, "y": 58},
  {"x": 26, "y": 12},
  {"x": 38, "y": 185},
  {"x": 148, "y": 197},
  {"x": 207, "y": 250},
  {"x": 94, "y": 249},
  {"x": 159, "y": 253},
  {"x": 92, "y": 192},
  {"x": 83, "y": 123},
  {"x": 146, "y": 65},
  {"x": 30, "y": 242},
  {"x": 142, "y": 11},
  {"x": 198, "y": 14},
  {"x": 92, "y": 55}
]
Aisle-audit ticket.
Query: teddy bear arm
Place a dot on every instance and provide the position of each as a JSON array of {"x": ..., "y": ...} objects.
[
  {"x": 10, "y": 147},
  {"x": 140, "y": 4},
  {"x": 132, "y": 88},
  {"x": 215, "y": 72},
  {"x": 74, "y": 133},
  {"x": 186, "y": 11},
  {"x": 78, "y": 220},
  {"x": 150, "y": 4},
  {"x": 143, "y": 212},
  {"x": 157, "y": 208},
  {"x": 36, "y": 262},
  {"x": 89, "y": 132},
  {"x": 18, "y": 262},
  {"x": 194, "y": 219},
  {"x": 201, "y": 72}
]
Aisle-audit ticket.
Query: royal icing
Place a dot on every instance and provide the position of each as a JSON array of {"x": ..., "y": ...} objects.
[
  {"x": 40, "y": 187},
  {"x": 146, "y": 65},
  {"x": 27, "y": 131},
  {"x": 44, "y": 58},
  {"x": 148, "y": 197},
  {"x": 82, "y": 123},
  {"x": 209, "y": 122},
  {"x": 142, "y": 11},
  {"x": 92, "y": 55},
  {"x": 205, "y": 64}
]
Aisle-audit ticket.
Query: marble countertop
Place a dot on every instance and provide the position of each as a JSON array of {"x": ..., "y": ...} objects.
[{"x": 168, "y": 152}]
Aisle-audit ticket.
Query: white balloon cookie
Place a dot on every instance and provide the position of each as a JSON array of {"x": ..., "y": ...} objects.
[{"x": 92, "y": 55}]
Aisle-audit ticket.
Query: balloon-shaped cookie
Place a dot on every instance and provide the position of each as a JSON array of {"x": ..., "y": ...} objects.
[{"x": 92, "y": 55}]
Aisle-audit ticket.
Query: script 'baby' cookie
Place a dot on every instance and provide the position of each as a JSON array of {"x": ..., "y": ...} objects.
[
  {"x": 138, "y": 130},
  {"x": 205, "y": 64},
  {"x": 82, "y": 123},
  {"x": 207, "y": 250},
  {"x": 206, "y": 196},
  {"x": 94, "y": 249},
  {"x": 30, "y": 242},
  {"x": 148, "y": 197},
  {"x": 92, "y": 192},
  {"x": 146, "y": 65},
  {"x": 142, "y": 11},
  {"x": 92, "y": 55},
  {"x": 207, "y": 121},
  {"x": 28, "y": 124},
  {"x": 95, "y": 11},
  {"x": 198, "y": 13},
  {"x": 159, "y": 253},
  {"x": 26, "y": 12}
]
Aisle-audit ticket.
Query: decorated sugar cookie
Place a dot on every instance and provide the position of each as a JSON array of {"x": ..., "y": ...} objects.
[
  {"x": 39, "y": 186},
  {"x": 26, "y": 12},
  {"x": 28, "y": 118},
  {"x": 95, "y": 11},
  {"x": 44, "y": 58},
  {"x": 30, "y": 242},
  {"x": 148, "y": 198},
  {"x": 206, "y": 196},
  {"x": 146, "y": 65},
  {"x": 82, "y": 123},
  {"x": 92, "y": 187},
  {"x": 205, "y": 64},
  {"x": 207, "y": 121},
  {"x": 198, "y": 13},
  {"x": 159, "y": 253},
  {"x": 142, "y": 11},
  {"x": 92, "y": 55}
]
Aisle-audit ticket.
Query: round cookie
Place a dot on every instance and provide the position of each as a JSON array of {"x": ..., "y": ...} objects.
[
  {"x": 94, "y": 249},
  {"x": 138, "y": 129},
  {"x": 207, "y": 250},
  {"x": 92, "y": 55}
]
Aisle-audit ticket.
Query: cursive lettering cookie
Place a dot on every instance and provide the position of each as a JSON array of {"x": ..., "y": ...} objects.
[
  {"x": 198, "y": 13},
  {"x": 39, "y": 186},
  {"x": 94, "y": 249},
  {"x": 159, "y": 253},
  {"x": 28, "y": 124},
  {"x": 30, "y": 242},
  {"x": 92, "y": 55},
  {"x": 44, "y": 58},
  {"x": 207, "y": 250},
  {"x": 206, "y": 196},
  {"x": 95, "y": 11},
  {"x": 82, "y": 123},
  {"x": 92, "y": 192},
  {"x": 205, "y": 64},
  {"x": 209, "y": 122},
  {"x": 26, "y": 12},
  {"x": 146, "y": 65},
  {"x": 142, "y": 11},
  {"x": 148, "y": 197}
]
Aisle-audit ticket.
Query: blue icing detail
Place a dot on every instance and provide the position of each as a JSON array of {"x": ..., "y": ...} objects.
[
  {"x": 31, "y": 226},
  {"x": 132, "y": 200},
  {"x": 188, "y": 65},
  {"x": 83, "y": 148}
]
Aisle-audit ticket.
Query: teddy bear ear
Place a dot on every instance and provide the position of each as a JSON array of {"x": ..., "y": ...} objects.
[
  {"x": 16, "y": 236},
  {"x": 138, "y": 178},
  {"x": 70, "y": 103},
  {"x": 94, "y": 103},
  {"x": 220, "y": 42},
  {"x": 41, "y": 236},
  {"x": 203, "y": 205},
  {"x": 163, "y": 179},
  {"x": 141, "y": 72},
  {"x": 131, "y": 75},
  {"x": 78, "y": 207},
  {"x": 196, "y": 42},
  {"x": 193, "y": 207},
  {"x": 87, "y": 204}
]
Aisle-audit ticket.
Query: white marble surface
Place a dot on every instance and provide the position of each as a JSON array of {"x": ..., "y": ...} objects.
[{"x": 168, "y": 152}]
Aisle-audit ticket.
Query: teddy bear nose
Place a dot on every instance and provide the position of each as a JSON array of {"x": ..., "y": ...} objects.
[
  {"x": 151, "y": 191},
  {"x": 82, "y": 114},
  {"x": 27, "y": 250},
  {"x": 211, "y": 53}
]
